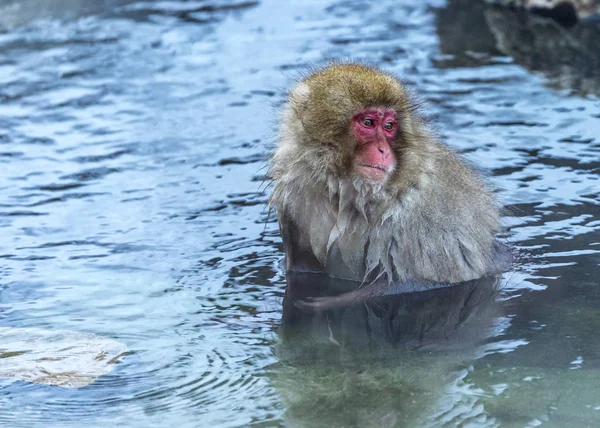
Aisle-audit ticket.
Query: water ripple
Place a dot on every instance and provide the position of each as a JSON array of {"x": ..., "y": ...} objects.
[{"x": 133, "y": 146}]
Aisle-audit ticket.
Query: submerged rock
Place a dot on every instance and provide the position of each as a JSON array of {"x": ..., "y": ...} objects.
[
  {"x": 69, "y": 359},
  {"x": 564, "y": 11}
]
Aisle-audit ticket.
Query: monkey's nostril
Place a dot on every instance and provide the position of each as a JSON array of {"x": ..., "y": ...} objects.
[{"x": 380, "y": 150}]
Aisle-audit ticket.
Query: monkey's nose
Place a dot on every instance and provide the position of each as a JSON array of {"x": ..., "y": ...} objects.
[{"x": 384, "y": 150}]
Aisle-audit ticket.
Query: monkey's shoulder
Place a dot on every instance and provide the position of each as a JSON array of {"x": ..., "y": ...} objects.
[{"x": 453, "y": 188}]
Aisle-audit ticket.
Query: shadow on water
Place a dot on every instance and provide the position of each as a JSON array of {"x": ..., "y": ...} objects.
[{"x": 473, "y": 32}]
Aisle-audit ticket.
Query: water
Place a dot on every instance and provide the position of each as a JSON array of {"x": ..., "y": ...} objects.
[{"x": 132, "y": 148}]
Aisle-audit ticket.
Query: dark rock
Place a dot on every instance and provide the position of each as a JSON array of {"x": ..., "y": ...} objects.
[{"x": 565, "y": 12}]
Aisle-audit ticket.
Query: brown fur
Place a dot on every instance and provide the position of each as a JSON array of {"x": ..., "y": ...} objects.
[{"x": 434, "y": 219}]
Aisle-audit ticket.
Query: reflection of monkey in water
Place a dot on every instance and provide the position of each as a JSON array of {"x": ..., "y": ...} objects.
[
  {"x": 445, "y": 318},
  {"x": 364, "y": 192}
]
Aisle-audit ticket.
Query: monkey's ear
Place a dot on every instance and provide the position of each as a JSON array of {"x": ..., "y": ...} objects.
[{"x": 300, "y": 94}]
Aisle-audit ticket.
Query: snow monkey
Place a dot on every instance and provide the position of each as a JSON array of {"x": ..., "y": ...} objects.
[{"x": 364, "y": 191}]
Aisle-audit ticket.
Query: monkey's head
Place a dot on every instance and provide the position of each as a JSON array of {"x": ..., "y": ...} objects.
[{"x": 354, "y": 119}]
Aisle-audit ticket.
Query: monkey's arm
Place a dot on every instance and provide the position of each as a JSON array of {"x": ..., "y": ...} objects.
[
  {"x": 367, "y": 291},
  {"x": 298, "y": 257},
  {"x": 383, "y": 287}
]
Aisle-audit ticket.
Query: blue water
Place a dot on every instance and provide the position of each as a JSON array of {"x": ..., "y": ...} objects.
[{"x": 133, "y": 144}]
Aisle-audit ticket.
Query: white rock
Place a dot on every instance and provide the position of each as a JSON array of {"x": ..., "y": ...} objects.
[{"x": 70, "y": 359}]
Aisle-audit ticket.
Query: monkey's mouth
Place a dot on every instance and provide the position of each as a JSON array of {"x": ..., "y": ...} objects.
[
  {"x": 379, "y": 167},
  {"x": 375, "y": 173}
]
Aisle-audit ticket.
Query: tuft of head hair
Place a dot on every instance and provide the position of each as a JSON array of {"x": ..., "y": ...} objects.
[{"x": 326, "y": 100}]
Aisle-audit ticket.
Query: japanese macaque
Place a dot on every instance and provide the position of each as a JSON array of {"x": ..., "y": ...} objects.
[{"x": 365, "y": 192}]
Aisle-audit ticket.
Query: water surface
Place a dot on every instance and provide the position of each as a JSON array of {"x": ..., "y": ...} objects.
[{"x": 133, "y": 147}]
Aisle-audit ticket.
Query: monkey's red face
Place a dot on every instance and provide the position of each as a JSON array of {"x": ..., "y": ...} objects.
[{"x": 375, "y": 129}]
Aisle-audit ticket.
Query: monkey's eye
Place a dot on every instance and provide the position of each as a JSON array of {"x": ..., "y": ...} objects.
[
  {"x": 368, "y": 123},
  {"x": 388, "y": 126}
]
